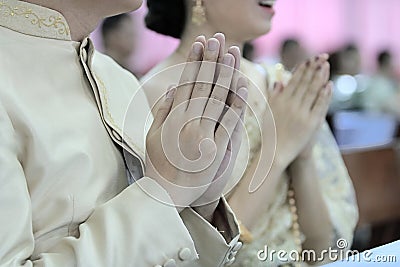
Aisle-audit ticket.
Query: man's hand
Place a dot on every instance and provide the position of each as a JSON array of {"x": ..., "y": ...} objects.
[{"x": 192, "y": 130}]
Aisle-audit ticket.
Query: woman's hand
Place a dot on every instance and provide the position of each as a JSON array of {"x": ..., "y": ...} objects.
[
  {"x": 193, "y": 132},
  {"x": 300, "y": 108}
]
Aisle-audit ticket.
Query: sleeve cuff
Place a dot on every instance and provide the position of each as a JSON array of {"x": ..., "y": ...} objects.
[{"x": 211, "y": 246}]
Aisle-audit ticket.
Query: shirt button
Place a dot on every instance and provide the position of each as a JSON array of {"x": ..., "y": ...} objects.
[
  {"x": 170, "y": 263},
  {"x": 185, "y": 254},
  {"x": 230, "y": 262},
  {"x": 84, "y": 42},
  {"x": 238, "y": 246}
]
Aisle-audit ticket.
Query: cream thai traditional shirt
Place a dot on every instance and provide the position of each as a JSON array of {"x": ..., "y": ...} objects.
[{"x": 65, "y": 113}]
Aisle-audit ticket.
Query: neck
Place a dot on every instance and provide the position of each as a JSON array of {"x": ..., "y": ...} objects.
[
  {"x": 80, "y": 21},
  {"x": 192, "y": 31},
  {"x": 122, "y": 60}
]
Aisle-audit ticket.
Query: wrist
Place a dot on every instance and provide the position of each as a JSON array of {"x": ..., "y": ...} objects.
[
  {"x": 279, "y": 164},
  {"x": 303, "y": 158}
]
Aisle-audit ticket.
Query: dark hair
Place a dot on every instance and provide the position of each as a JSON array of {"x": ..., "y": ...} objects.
[
  {"x": 384, "y": 58},
  {"x": 288, "y": 43},
  {"x": 167, "y": 17},
  {"x": 248, "y": 51},
  {"x": 112, "y": 23},
  {"x": 334, "y": 61},
  {"x": 349, "y": 48}
]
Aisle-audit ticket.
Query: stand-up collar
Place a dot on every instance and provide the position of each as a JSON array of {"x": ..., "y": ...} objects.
[{"x": 33, "y": 20}]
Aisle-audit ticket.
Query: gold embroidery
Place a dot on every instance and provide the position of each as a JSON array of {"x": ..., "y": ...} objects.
[
  {"x": 57, "y": 23},
  {"x": 104, "y": 98}
]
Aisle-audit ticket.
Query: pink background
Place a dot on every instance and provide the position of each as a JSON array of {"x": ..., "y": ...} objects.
[{"x": 321, "y": 25}]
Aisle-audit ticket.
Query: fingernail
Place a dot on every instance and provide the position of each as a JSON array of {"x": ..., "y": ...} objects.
[
  {"x": 308, "y": 63},
  {"x": 197, "y": 48},
  {"x": 212, "y": 44},
  {"x": 227, "y": 60},
  {"x": 219, "y": 34},
  {"x": 319, "y": 67},
  {"x": 243, "y": 93}
]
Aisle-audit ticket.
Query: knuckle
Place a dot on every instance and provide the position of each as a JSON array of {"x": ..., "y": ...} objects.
[
  {"x": 201, "y": 86},
  {"x": 238, "y": 104},
  {"x": 217, "y": 100}
]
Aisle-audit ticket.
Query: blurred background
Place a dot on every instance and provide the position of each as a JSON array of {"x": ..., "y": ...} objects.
[{"x": 363, "y": 39}]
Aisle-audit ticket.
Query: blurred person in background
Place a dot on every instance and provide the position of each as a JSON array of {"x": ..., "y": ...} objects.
[
  {"x": 119, "y": 43},
  {"x": 350, "y": 60},
  {"x": 383, "y": 94},
  {"x": 292, "y": 53},
  {"x": 308, "y": 200},
  {"x": 349, "y": 82},
  {"x": 248, "y": 51}
]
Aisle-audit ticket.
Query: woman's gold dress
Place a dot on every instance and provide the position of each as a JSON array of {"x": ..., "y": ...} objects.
[{"x": 273, "y": 227}]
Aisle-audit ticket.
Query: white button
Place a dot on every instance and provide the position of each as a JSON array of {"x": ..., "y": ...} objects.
[
  {"x": 185, "y": 254},
  {"x": 237, "y": 246},
  {"x": 230, "y": 262},
  {"x": 170, "y": 263},
  {"x": 157, "y": 265},
  {"x": 84, "y": 42},
  {"x": 230, "y": 257}
]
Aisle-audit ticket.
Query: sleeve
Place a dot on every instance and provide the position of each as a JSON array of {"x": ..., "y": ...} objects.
[
  {"x": 133, "y": 229},
  {"x": 212, "y": 248},
  {"x": 336, "y": 185}
]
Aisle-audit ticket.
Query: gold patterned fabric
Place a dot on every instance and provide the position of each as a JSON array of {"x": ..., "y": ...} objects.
[
  {"x": 273, "y": 227},
  {"x": 26, "y": 18}
]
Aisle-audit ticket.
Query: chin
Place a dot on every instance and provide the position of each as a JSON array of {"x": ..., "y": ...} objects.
[
  {"x": 260, "y": 31},
  {"x": 132, "y": 5}
]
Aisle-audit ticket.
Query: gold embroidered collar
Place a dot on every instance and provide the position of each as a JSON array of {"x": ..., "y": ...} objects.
[{"x": 33, "y": 20}]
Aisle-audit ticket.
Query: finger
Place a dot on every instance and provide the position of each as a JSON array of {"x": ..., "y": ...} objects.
[
  {"x": 278, "y": 89},
  {"x": 319, "y": 81},
  {"x": 201, "y": 39},
  {"x": 236, "y": 139},
  {"x": 231, "y": 118},
  {"x": 314, "y": 66},
  {"x": 189, "y": 75},
  {"x": 321, "y": 105},
  {"x": 235, "y": 51},
  {"x": 204, "y": 81},
  {"x": 296, "y": 78},
  {"x": 164, "y": 109},
  {"x": 221, "y": 39},
  {"x": 216, "y": 102}
]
